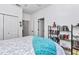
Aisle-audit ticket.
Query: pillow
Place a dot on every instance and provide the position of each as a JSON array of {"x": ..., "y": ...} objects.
[{"x": 43, "y": 46}]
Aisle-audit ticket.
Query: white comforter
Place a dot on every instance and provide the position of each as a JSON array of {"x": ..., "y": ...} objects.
[
  {"x": 21, "y": 46},
  {"x": 17, "y": 46}
]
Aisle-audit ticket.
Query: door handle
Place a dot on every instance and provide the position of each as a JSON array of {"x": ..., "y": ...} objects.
[{"x": 8, "y": 33}]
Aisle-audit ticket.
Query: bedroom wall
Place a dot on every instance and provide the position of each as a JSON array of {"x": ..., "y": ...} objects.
[
  {"x": 11, "y": 9},
  {"x": 61, "y": 14},
  {"x": 26, "y": 16}
]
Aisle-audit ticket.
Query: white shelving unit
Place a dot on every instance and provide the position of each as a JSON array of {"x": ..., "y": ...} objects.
[
  {"x": 75, "y": 40},
  {"x": 66, "y": 43}
]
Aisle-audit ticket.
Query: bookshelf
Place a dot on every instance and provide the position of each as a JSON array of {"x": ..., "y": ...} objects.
[
  {"x": 53, "y": 33},
  {"x": 75, "y": 40}
]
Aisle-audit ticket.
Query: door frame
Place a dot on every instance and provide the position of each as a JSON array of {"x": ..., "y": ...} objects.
[
  {"x": 38, "y": 24},
  {"x": 27, "y": 28}
]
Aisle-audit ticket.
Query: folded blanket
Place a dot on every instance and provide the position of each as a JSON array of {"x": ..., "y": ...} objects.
[{"x": 44, "y": 46}]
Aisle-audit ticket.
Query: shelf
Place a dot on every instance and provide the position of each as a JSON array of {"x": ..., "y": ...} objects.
[
  {"x": 67, "y": 52},
  {"x": 66, "y": 40},
  {"x": 65, "y": 31},
  {"x": 68, "y": 33},
  {"x": 76, "y": 26},
  {"x": 75, "y": 36},
  {"x": 76, "y": 40},
  {"x": 54, "y": 34},
  {"x": 66, "y": 48},
  {"x": 76, "y": 48},
  {"x": 53, "y": 30}
]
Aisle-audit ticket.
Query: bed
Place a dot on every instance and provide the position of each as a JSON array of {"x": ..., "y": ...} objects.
[{"x": 22, "y": 46}]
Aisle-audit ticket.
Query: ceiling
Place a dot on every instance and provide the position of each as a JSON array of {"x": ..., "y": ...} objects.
[{"x": 32, "y": 8}]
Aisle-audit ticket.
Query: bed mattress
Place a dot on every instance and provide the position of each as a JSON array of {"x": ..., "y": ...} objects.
[
  {"x": 21, "y": 46},
  {"x": 17, "y": 46}
]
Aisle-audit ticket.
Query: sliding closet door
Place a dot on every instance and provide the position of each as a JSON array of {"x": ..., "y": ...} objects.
[
  {"x": 1, "y": 27},
  {"x": 10, "y": 27}
]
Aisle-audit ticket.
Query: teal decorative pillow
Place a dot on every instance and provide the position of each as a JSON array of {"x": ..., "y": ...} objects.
[{"x": 43, "y": 46}]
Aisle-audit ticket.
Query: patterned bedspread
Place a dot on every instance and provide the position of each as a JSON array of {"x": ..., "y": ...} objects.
[
  {"x": 21, "y": 46},
  {"x": 17, "y": 46}
]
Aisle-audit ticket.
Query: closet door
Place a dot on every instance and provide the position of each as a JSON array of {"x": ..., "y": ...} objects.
[
  {"x": 1, "y": 27},
  {"x": 10, "y": 27}
]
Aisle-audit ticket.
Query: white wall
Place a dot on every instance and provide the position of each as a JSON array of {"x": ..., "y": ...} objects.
[
  {"x": 12, "y": 10},
  {"x": 26, "y": 16},
  {"x": 61, "y": 14}
]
